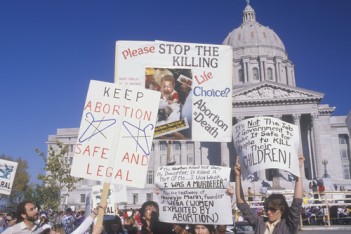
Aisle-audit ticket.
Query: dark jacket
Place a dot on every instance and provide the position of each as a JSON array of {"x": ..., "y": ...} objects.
[{"x": 285, "y": 226}]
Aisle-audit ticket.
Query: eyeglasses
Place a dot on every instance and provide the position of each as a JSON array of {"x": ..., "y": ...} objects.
[{"x": 271, "y": 209}]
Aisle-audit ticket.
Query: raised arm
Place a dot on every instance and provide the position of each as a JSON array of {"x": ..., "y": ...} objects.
[
  {"x": 298, "y": 192},
  {"x": 239, "y": 193}
]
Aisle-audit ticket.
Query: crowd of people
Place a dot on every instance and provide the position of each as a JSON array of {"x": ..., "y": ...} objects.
[{"x": 276, "y": 215}]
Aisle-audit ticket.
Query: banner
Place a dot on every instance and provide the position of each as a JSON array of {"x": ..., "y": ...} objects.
[
  {"x": 7, "y": 175},
  {"x": 195, "y": 82},
  {"x": 194, "y": 194},
  {"x": 265, "y": 143},
  {"x": 116, "y": 194},
  {"x": 116, "y": 133}
]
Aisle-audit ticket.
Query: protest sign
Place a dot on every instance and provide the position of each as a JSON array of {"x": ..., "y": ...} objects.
[
  {"x": 116, "y": 194},
  {"x": 7, "y": 175},
  {"x": 115, "y": 135},
  {"x": 266, "y": 142},
  {"x": 194, "y": 194},
  {"x": 192, "y": 78}
]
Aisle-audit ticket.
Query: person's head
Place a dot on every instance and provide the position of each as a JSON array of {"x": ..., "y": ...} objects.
[
  {"x": 11, "y": 218},
  {"x": 129, "y": 223},
  {"x": 27, "y": 211},
  {"x": 167, "y": 84},
  {"x": 43, "y": 218},
  {"x": 149, "y": 212},
  {"x": 69, "y": 211},
  {"x": 249, "y": 188},
  {"x": 276, "y": 207},
  {"x": 113, "y": 225},
  {"x": 203, "y": 229}
]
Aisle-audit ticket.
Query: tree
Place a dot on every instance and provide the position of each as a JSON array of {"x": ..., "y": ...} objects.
[
  {"x": 57, "y": 177},
  {"x": 20, "y": 183}
]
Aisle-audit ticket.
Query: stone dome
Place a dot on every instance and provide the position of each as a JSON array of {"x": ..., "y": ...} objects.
[{"x": 253, "y": 34}]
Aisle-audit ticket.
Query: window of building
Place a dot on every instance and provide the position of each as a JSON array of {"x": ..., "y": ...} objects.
[
  {"x": 269, "y": 74},
  {"x": 82, "y": 198},
  {"x": 149, "y": 197},
  {"x": 176, "y": 145},
  {"x": 343, "y": 139},
  {"x": 163, "y": 146},
  {"x": 150, "y": 177},
  {"x": 255, "y": 74},
  {"x": 190, "y": 159},
  {"x": 135, "y": 198},
  {"x": 241, "y": 75},
  {"x": 343, "y": 154},
  {"x": 346, "y": 171}
]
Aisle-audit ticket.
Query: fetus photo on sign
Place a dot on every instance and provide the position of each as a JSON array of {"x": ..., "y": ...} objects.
[{"x": 174, "y": 113}]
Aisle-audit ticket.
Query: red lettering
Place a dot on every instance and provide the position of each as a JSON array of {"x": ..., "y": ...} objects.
[
  {"x": 88, "y": 167},
  {"x": 128, "y": 53}
]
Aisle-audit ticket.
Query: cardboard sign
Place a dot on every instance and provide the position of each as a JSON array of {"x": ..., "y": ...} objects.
[
  {"x": 265, "y": 143},
  {"x": 194, "y": 194},
  {"x": 116, "y": 133},
  {"x": 7, "y": 175},
  {"x": 192, "y": 79}
]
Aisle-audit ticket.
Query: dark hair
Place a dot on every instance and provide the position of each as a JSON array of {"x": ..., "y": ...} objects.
[
  {"x": 143, "y": 209},
  {"x": 21, "y": 209},
  {"x": 210, "y": 227},
  {"x": 113, "y": 225},
  {"x": 278, "y": 201}
]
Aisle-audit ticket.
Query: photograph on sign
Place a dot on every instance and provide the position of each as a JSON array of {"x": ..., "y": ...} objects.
[
  {"x": 266, "y": 143},
  {"x": 174, "y": 113}
]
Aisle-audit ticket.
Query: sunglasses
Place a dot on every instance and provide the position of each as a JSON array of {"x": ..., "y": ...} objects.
[{"x": 271, "y": 209}]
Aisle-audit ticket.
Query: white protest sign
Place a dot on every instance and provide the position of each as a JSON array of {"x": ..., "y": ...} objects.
[
  {"x": 266, "y": 142},
  {"x": 115, "y": 135},
  {"x": 116, "y": 194},
  {"x": 194, "y": 194},
  {"x": 192, "y": 78},
  {"x": 7, "y": 175}
]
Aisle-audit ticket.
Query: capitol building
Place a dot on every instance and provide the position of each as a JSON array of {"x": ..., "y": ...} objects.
[{"x": 264, "y": 84}]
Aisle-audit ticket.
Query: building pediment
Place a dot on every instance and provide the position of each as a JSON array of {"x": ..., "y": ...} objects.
[{"x": 269, "y": 91}]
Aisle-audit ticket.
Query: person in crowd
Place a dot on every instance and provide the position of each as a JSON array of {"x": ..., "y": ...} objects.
[
  {"x": 79, "y": 218},
  {"x": 149, "y": 214},
  {"x": 44, "y": 221},
  {"x": 250, "y": 194},
  {"x": 207, "y": 229},
  {"x": 281, "y": 218},
  {"x": 203, "y": 229},
  {"x": 112, "y": 225},
  {"x": 27, "y": 215},
  {"x": 68, "y": 221},
  {"x": 8, "y": 220},
  {"x": 130, "y": 226}
]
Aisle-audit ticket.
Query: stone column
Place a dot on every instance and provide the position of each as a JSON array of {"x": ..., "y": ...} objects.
[
  {"x": 183, "y": 153},
  {"x": 157, "y": 156},
  {"x": 296, "y": 119},
  {"x": 317, "y": 148},
  {"x": 225, "y": 155},
  {"x": 197, "y": 153},
  {"x": 310, "y": 150}
]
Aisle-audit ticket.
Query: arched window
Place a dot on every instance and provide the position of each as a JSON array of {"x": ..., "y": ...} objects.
[
  {"x": 269, "y": 74},
  {"x": 241, "y": 75},
  {"x": 255, "y": 73}
]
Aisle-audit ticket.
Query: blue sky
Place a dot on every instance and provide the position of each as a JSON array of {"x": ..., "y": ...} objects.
[{"x": 51, "y": 49}]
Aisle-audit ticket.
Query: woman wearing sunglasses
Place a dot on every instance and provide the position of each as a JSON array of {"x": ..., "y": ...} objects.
[{"x": 282, "y": 219}]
